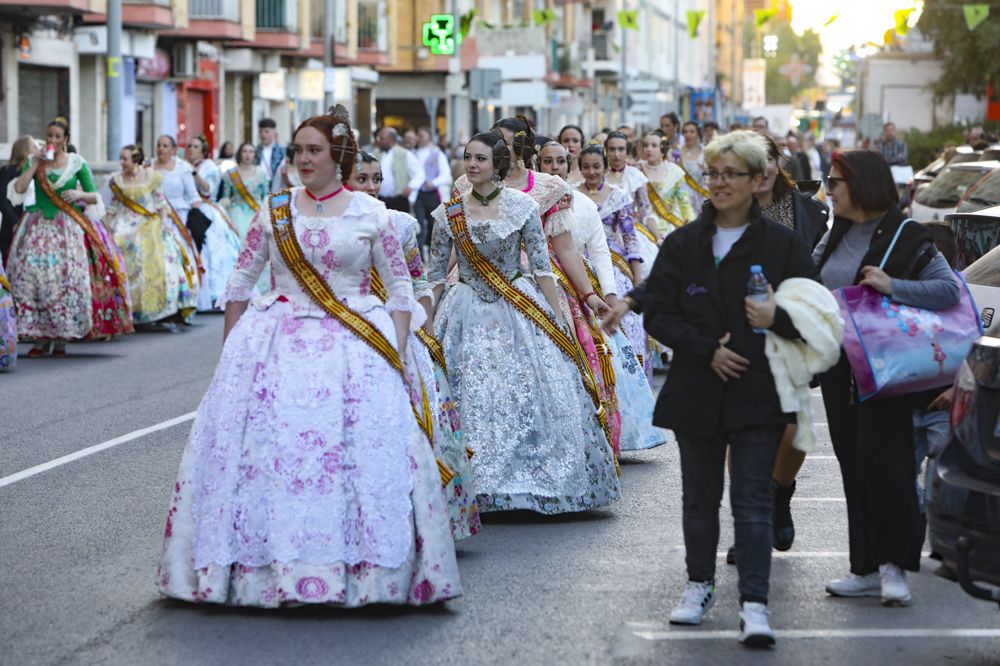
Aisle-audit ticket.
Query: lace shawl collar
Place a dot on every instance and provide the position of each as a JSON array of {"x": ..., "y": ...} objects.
[
  {"x": 139, "y": 189},
  {"x": 73, "y": 165},
  {"x": 617, "y": 200},
  {"x": 633, "y": 179},
  {"x": 512, "y": 210},
  {"x": 548, "y": 190}
]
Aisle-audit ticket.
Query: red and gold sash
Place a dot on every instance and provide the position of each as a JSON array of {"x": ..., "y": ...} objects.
[
  {"x": 186, "y": 236},
  {"x": 660, "y": 208},
  {"x": 240, "y": 186},
  {"x": 73, "y": 213},
  {"x": 429, "y": 341},
  {"x": 319, "y": 291},
  {"x": 522, "y": 302}
]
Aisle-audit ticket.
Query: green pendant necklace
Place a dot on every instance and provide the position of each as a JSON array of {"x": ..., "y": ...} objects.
[{"x": 485, "y": 200}]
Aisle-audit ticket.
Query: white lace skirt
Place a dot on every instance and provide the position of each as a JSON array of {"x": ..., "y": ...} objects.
[{"x": 306, "y": 478}]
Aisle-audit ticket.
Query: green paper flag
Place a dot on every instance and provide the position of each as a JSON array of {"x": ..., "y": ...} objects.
[
  {"x": 762, "y": 16},
  {"x": 694, "y": 20},
  {"x": 975, "y": 15},
  {"x": 628, "y": 19},
  {"x": 902, "y": 16},
  {"x": 543, "y": 16}
]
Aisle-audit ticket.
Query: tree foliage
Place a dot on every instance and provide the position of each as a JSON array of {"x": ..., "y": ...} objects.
[
  {"x": 971, "y": 59},
  {"x": 779, "y": 89}
]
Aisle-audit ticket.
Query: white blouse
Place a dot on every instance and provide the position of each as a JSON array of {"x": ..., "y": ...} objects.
[{"x": 588, "y": 234}]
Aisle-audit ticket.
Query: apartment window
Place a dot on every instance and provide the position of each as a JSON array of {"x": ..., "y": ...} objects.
[
  {"x": 43, "y": 94},
  {"x": 372, "y": 25},
  {"x": 318, "y": 16},
  {"x": 271, "y": 13}
]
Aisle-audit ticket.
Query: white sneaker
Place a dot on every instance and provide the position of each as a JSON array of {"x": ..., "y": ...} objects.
[
  {"x": 754, "y": 629},
  {"x": 695, "y": 602},
  {"x": 895, "y": 591},
  {"x": 854, "y": 585}
]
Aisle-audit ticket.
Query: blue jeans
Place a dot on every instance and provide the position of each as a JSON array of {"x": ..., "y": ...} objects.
[
  {"x": 703, "y": 466},
  {"x": 931, "y": 430}
]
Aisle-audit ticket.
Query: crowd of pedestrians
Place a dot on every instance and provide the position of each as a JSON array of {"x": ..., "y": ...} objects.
[{"x": 369, "y": 406}]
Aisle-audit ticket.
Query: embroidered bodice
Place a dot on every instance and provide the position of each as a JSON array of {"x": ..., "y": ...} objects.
[
  {"x": 146, "y": 192},
  {"x": 673, "y": 192},
  {"x": 343, "y": 250},
  {"x": 406, "y": 227},
  {"x": 618, "y": 215},
  {"x": 551, "y": 193},
  {"x": 513, "y": 218},
  {"x": 75, "y": 175},
  {"x": 634, "y": 183},
  {"x": 257, "y": 187}
]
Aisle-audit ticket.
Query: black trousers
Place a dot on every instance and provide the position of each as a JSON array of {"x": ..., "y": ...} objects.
[
  {"x": 398, "y": 202},
  {"x": 874, "y": 444},
  {"x": 427, "y": 201}
]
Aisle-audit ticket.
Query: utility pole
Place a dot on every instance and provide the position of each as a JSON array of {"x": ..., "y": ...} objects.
[
  {"x": 624, "y": 84},
  {"x": 114, "y": 80},
  {"x": 329, "y": 56}
]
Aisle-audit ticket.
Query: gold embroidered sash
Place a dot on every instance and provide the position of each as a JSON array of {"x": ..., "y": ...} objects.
[
  {"x": 660, "y": 208},
  {"x": 642, "y": 229},
  {"x": 429, "y": 341},
  {"x": 186, "y": 260},
  {"x": 129, "y": 203},
  {"x": 218, "y": 209},
  {"x": 88, "y": 229},
  {"x": 240, "y": 186},
  {"x": 622, "y": 265},
  {"x": 319, "y": 291},
  {"x": 5, "y": 283},
  {"x": 694, "y": 184},
  {"x": 521, "y": 301}
]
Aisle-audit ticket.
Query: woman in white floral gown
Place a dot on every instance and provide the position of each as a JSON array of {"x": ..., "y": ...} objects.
[{"x": 307, "y": 478}]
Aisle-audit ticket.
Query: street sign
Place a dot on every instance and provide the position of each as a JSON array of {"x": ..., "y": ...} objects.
[
  {"x": 485, "y": 84},
  {"x": 440, "y": 35}
]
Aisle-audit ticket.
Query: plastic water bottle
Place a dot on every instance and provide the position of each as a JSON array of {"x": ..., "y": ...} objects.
[{"x": 757, "y": 288}]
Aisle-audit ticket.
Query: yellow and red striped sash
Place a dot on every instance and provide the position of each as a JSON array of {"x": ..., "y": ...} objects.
[
  {"x": 660, "y": 208},
  {"x": 319, "y": 291},
  {"x": 429, "y": 341},
  {"x": 186, "y": 236},
  {"x": 240, "y": 186}
]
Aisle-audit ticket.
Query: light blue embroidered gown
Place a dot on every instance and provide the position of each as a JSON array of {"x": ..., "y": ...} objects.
[{"x": 536, "y": 441}]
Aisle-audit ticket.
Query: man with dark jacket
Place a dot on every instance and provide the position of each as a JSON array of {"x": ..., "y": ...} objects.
[{"x": 720, "y": 392}]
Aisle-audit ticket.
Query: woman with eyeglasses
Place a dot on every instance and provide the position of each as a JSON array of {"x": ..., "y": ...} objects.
[
  {"x": 720, "y": 392},
  {"x": 873, "y": 440}
]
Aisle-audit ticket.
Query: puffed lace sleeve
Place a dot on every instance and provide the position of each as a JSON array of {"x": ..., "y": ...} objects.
[
  {"x": 596, "y": 244},
  {"x": 536, "y": 247},
  {"x": 559, "y": 218},
  {"x": 440, "y": 250},
  {"x": 389, "y": 260},
  {"x": 625, "y": 222},
  {"x": 18, "y": 198},
  {"x": 414, "y": 262},
  {"x": 250, "y": 263},
  {"x": 643, "y": 209}
]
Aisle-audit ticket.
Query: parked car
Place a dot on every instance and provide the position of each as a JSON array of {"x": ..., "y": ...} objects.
[
  {"x": 976, "y": 233},
  {"x": 960, "y": 155},
  {"x": 983, "y": 194},
  {"x": 963, "y": 480},
  {"x": 941, "y": 197}
]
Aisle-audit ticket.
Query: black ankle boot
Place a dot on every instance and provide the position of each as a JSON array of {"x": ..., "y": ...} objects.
[{"x": 784, "y": 528}]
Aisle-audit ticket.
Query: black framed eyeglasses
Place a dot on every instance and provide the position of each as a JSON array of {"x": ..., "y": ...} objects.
[
  {"x": 725, "y": 176},
  {"x": 831, "y": 181}
]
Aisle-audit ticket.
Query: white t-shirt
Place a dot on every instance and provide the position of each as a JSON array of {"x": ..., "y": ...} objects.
[{"x": 724, "y": 240}]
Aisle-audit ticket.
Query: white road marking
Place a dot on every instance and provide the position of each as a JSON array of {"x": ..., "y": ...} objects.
[
  {"x": 695, "y": 635},
  {"x": 96, "y": 448}
]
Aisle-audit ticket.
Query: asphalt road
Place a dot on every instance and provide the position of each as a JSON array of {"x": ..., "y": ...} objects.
[{"x": 79, "y": 543}]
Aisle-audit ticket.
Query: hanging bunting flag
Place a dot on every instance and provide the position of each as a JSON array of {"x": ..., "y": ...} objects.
[
  {"x": 628, "y": 19},
  {"x": 831, "y": 20},
  {"x": 975, "y": 15},
  {"x": 902, "y": 17},
  {"x": 543, "y": 16},
  {"x": 694, "y": 20},
  {"x": 465, "y": 23},
  {"x": 762, "y": 16}
]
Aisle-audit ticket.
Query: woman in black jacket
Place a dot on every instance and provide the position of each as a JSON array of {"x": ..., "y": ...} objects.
[
  {"x": 720, "y": 392},
  {"x": 10, "y": 214},
  {"x": 873, "y": 440}
]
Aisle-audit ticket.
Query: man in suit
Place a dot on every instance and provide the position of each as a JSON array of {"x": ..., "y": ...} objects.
[{"x": 269, "y": 153}]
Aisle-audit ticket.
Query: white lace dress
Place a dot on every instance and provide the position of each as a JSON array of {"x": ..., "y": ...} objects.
[{"x": 306, "y": 478}]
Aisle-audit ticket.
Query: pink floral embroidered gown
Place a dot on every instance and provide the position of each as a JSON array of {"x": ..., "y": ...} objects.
[{"x": 306, "y": 478}]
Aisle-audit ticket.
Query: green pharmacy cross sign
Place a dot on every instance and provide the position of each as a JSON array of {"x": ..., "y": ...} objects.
[{"x": 440, "y": 34}]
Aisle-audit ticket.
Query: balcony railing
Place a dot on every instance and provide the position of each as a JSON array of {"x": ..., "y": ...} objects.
[
  {"x": 226, "y": 10},
  {"x": 276, "y": 15}
]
